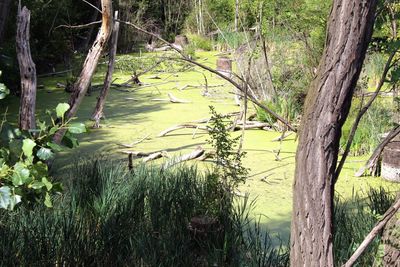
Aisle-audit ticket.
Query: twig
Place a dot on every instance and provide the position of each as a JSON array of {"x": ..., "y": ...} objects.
[
  {"x": 81, "y": 26},
  {"x": 134, "y": 143}
]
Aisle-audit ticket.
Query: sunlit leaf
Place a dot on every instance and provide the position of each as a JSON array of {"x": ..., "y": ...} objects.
[
  {"x": 27, "y": 147},
  {"x": 47, "y": 201},
  {"x": 5, "y": 195},
  {"x": 45, "y": 153},
  {"x": 61, "y": 109},
  {"x": 77, "y": 128}
]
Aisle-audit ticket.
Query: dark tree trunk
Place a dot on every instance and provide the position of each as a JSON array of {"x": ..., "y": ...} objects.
[
  {"x": 27, "y": 71},
  {"x": 4, "y": 10},
  {"x": 89, "y": 66},
  {"x": 326, "y": 109},
  {"x": 88, "y": 39},
  {"x": 98, "y": 112}
]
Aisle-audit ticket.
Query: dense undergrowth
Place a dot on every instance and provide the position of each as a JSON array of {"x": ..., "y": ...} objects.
[{"x": 109, "y": 215}]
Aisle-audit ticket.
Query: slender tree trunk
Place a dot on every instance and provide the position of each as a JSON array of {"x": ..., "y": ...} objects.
[
  {"x": 326, "y": 109},
  {"x": 27, "y": 71},
  {"x": 4, "y": 10},
  {"x": 236, "y": 15},
  {"x": 90, "y": 64},
  {"x": 98, "y": 112}
]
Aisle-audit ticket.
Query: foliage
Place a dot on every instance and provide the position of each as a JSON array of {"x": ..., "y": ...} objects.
[
  {"x": 111, "y": 216},
  {"x": 354, "y": 219},
  {"x": 24, "y": 174},
  {"x": 369, "y": 131},
  {"x": 200, "y": 42},
  {"x": 228, "y": 156}
]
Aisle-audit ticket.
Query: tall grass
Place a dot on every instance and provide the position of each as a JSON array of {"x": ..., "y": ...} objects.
[
  {"x": 110, "y": 216},
  {"x": 354, "y": 219}
]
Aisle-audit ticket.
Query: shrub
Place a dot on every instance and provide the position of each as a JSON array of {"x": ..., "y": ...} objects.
[
  {"x": 112, "y": 216},
  {"x": 200, "y": 42}
]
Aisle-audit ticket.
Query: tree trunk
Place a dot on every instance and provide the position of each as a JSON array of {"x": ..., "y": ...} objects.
[
  {"x": 98, "y": 112},
  {"x": 236, "y": 15},
  {"x": 95, "y": 14},
  {"x": 27, "y": 71},
  {"x": 326, "y": 109},
  {"x": 90, "y": 64},
  {"x": 4, "y": 10}
]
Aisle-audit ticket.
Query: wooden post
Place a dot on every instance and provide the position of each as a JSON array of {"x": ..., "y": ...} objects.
[
  {"x": 27, "y": 70},
  {"x": 99, "y": 110}
]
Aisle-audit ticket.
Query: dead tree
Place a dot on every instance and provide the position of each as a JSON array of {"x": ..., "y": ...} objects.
[
  {"x": 326, "y": 109},
  {"x": 27, "y": 70},
  {"x": 89, "y": 66},
  {"x": 4, "y": 10},
  {"x": 99, "y": 110}
]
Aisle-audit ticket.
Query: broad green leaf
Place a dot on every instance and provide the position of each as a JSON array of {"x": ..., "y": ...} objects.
[
  {"x": 55, "y": 147},
  {"x": 61, "y": 109},
  {"x": 14, "y": 200},
  {"x": 53, "y": 130},
  {"x": 27, "y": 147},
  {"x": 20, "y": 175},
  {"x": 47, "y": 183},
  {"x": 5, "y": 195},
  {"x": 77, "y": 128},
  {"x": 9, "y": 132},
  {"x": 45, "y": 153},
  {"x": 47, "y": 201},
  {"x": 37, "y": 185}
]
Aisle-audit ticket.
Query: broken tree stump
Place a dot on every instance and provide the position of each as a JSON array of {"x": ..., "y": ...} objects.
[
  {"x": 27, "y": 70},
  {"x": 224, "y": 66},
  {"x": 390, "y": 169}
]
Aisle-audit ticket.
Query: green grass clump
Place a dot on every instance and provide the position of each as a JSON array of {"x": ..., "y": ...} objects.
[
  {"x": 354, "y": 219},
  {"x": 200, "y": 42},
  {"x": 376, "y": 121},
  {"x": 110, "y": 216}
]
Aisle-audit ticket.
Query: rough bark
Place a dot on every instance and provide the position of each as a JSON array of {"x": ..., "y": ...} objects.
[
  {"x": 27, "y": 71},
  {"x": 89, "y": 66},
  {"x": 98, "y": 112},
  {"x": 326, "y": 109},
  {"x": 4, "y": 10}
]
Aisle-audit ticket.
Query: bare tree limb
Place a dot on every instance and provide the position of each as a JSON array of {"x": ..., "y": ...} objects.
[
  {"x": 81, "y": 26},
  {"x": 374, "y": 232}
]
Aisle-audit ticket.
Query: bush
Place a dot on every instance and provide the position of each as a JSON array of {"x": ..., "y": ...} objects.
[
  {"x": 200, "y": 42},
  {"x": 112, "y": 216}
]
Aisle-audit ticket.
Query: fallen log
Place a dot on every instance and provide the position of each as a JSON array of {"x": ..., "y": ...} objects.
[
  {"x": 183, "y": 126},
  {"x": 134, "y": 143},
  {"x": 198, "y": 152},
  {"x": 173, "y": 99},
  {"x": 156, "y": 155},
  {"x": 206, "y": 155}
]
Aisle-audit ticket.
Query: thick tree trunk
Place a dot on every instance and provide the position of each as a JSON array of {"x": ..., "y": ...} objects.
[
  {"x": 4, "y": 10},
  {"x": 326, "y": 109},
  {"x": 98, "y": 112},
  {"x": 27, "y": 71},
  {"x": 89, "y": 66}
]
